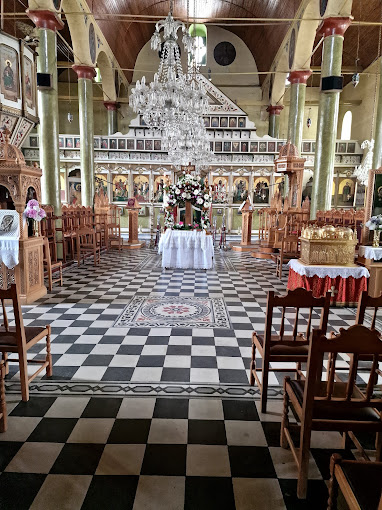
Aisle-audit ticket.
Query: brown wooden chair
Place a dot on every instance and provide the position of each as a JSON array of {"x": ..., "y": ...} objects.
[
  {"x": 290, "y": 249},
  {"x": 360, "y": 483},
  {"x": 51, "y": 268},
  {"x": 19, "y": 339},
  {"x": 114, "y": 238},
  {"x": 87, "y": 243},
  {"x": 292, "y": 347},
  {"x": 329, "y": 405},
  {"x": 3, "y": 405}
]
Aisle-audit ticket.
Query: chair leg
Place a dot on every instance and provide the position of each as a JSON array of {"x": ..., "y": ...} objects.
[
  {"x": 6, "y": 364},
  {"x": 3, "y": 405},
  {"x": 79, "y": 256},
  {"x": 333, "y": 484},
  {"x": 49, "y": 369},
  {"x": 285, "y": 419},
  {"x": 378, "y": 446},
  {"x": 264, "y": 385},
  {"x": 302, "y": 482},
  {"x": 253, "y": 365},
  {"x": 23, "y": 375}
]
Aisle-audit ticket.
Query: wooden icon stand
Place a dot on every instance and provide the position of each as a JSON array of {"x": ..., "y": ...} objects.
[
  {"x": 133, "y": 243},
  {"x": 246, "y": 229}
]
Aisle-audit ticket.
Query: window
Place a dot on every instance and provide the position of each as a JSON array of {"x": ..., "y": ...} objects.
[
  {"x": 199, "y": 32},
  {"x": 346, "y": 126}
]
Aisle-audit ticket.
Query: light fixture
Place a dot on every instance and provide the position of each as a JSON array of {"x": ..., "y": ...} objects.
[{"x": 309, "y": 120}]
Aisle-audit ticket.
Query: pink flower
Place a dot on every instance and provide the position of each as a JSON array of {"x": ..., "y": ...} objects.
[
  {"x": 41, "y": 213},
  {"x": 181, "y": 223},
  {"x": 32, "y": 213}
]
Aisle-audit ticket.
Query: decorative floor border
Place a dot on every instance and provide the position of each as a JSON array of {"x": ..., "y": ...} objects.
[{"x": 118, "y": 389}]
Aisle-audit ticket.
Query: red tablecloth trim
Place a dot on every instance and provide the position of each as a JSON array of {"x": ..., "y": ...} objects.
[{"x": 346, "y": 290}]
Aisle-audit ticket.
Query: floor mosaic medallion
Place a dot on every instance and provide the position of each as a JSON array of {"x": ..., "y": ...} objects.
[{"x": 174, "y": 312}]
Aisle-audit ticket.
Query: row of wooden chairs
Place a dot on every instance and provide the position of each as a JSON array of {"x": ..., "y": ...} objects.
[{"x": 341, "y": 217}]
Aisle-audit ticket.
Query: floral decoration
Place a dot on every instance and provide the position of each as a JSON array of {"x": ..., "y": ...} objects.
[
  {"x": 375, "y": 223},
  {"x": 33, "y": 211},
  {"x": 188, "y": 188}
]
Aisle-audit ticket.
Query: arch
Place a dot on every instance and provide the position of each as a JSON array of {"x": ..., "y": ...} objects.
[{"x": 346, "y": 126}]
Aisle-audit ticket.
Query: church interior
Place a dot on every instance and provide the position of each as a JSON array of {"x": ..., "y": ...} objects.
[{"x": 191, "y": 254}]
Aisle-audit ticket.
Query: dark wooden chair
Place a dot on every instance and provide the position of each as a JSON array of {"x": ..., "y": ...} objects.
[
  {"x": 285, "y": 347},
  {"x": 290, "y": 249},
  {"x": 87, "y": 244},
  {"x": 52, "y": 270},
  {"x": 3, "y": 405},
  {"x": 329, "y": 405},
  {"x": 19, "y": 339},
  {"x": 360, "y": 483}
]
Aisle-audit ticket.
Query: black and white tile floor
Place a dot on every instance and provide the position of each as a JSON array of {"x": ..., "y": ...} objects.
[{"x": 154, "y": 417}]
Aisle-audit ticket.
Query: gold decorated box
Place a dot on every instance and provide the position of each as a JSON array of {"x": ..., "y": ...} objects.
[{"x": 328, "y": 245}]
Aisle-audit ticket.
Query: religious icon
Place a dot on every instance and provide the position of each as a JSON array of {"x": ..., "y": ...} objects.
[
  {"x": 377, "y": 202},
  {"x": 33, "y": 141},
  {"x": 69, "y": 143},
  {"x": 104, "y": 143},
  {"x": 351, "y": 148},
  {"x": 342, "y": 147},
  {"x": 120, "y": 188},
  {"x": 254, "y": 147},
  {"x": 232, "y": 122},
  {"x": 141, "y": 188},
  {"x": 96, "y": 143},
  {"x": 113, "y": 143},
  {"x": 261, "y": 190},
  {"x": 206, "y": 121},
  {"x": 28, "y": 80},
  {"x": 346, "y": 188},
  {"x": 313, "y": 146},
  {"x": 130, "y": 144},
  {"x": 241, "y": 122},
  {"x": 235, "y": 146},
  {"x": 218, "y": 146},
  {"x": 262, "y": 147},
  {"x": 77, "y": 143},
  {"x": 219, "y": 189},
  {"x": 306, "y": 147},
  {"x": 74, "y": 191},
  {"x": 279, "y": 145},
  {"x": 140, "y": 145},
  {"x": 271, "y": 146},
  {"x": 157, "y": 145},
  {"x": 224, "y": 122},
  {"x": 9, "y": 72},
  {"x": 240, "y": 189},
  {"x": 244, "y": 146},
  {"x": 60, "y": 142},
  {"x": 121, "y": 144},
  {"x": 159, "y": 185},
  {"x": 101, "y": 183},
  {"x": 214, "y": 121},
  {"x": 148, "y": 145},
  {"x": 227, "y": 147}
]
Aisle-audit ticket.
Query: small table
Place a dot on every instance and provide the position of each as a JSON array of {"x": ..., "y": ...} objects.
[
  {"x": 186, "y": 249},
  {"x": 371, "y": 258},
  {"x": 346, "y": 283}
]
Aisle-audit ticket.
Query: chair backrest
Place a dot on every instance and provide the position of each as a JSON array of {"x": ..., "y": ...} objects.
[
  {"x": 357, "y": 340},
  {"x": 348, "y": 217},
  {"x": 337, "y": 217},
  {"x": 367, "y": 301},
  {"x": 10, "y": 294},
  {"x": 328, "y": 216},
  {"x": 86, "y": 236},
  {"x": 320, "y": 216},
  {"x": 297, "y": 299}
]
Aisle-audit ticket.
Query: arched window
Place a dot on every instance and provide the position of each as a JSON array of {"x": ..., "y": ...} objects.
[
  {"x": 346, "y": 126},
  {"x": 199, "y": 31}
]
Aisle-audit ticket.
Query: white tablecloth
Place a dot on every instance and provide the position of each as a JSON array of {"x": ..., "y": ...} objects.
[
  {"x": 370, "y": 253},
  {"x": 186, "y": 249},
  {"x": 331, "y": 271}
]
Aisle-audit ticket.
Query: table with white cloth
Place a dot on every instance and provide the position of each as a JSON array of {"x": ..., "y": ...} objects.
[
  {"x": 346, "y": 283},
  {"x": 371, "y": 258},
  {"x": 186, "y": 249}
]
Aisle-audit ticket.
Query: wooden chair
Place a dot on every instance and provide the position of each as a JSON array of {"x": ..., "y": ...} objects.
[
  {"x": 19, "y": 339},
  {"x": 360, "y": 483},
  {"x": 87, "y": 243},
  {"x": 290, "y": 249},
  {"x": 281, "y": 347},
  {"x": 114, "y": 238},
  {"x": 51, "y": 267},
  {"x": 329, "y": 405},
  {"x": 337, "y": 217},
  {"x": 3, "y": 405}
]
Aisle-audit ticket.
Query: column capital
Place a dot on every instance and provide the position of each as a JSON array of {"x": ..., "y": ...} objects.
[
  {"x": 83, "y": 71},
  {"x": 275, "y": 109},
  {"x": 334, "y": 26},
  {"x": 111, "y": 105},
  {"x": 299, "y": 76},
  {"x": 43, "y": 18}
]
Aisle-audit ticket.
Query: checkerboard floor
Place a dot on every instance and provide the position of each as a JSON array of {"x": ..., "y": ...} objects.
[
  {"x": 155, "y": 454},
  {"x": 87, "y": 347}
]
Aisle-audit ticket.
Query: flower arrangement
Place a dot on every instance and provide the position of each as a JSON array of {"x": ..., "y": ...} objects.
[
  {"x": 188, "y": 188},
  {"x": 33, "y": 211},
  {"x": 375, "y": 223}
]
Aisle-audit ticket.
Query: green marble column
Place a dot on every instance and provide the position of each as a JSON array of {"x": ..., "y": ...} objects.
[
  {"x": 47, "y": 23},
  {"x": 85, "y": 104},
  {"x": 333, "y": 30},
  {"x": 274, "y": 120},
  {"x": 297, "y": 81},
  {"x": 112, "y": 116},
  {"x": 377, "y": 155}
]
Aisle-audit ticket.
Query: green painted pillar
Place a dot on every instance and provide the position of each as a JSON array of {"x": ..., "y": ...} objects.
[
  {"x": 47, "y": 23},
  {"x": 297, "y": 81},
  {"x": 377, "y": 154},
  {"x": 112, "y": 116},
  {"x": 85, "y": 104},
  {"x": 332, "y": 29},
  {"x": 274, "y": 120}
]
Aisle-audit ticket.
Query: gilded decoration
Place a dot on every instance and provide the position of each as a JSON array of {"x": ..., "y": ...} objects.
[
  {"x": 33, "y": 268},
  {"x": 328, "y": 245}
]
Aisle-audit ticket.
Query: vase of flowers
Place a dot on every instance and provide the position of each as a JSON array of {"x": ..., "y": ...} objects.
[
  {"x": 34, "y": 214},
  {"x": 375, "y": 224}
]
